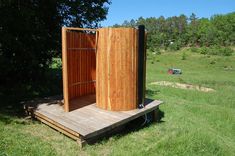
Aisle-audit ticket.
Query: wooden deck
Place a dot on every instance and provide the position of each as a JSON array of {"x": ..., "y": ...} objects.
[{"x": 87, "y": 121}]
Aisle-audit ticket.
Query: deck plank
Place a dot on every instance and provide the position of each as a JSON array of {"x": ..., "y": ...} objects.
[
  {"x": 67, "y": 122},
  {"x": 88, "y": 121}
]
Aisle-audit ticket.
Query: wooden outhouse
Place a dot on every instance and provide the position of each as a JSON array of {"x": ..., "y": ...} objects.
[
  {"x": 103, "y": 82},
  {"x": 107, "y": 62}
]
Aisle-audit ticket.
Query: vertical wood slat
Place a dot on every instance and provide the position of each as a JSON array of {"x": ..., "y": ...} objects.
[
  {"x": 78, "y": 61},
  {"x": 65, "y": 70},
  {"x": 116, "y": 77},
  {"x": 115, "y": 69}
]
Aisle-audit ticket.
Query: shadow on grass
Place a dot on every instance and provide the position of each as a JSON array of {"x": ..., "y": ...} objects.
[
  {"x": 12, "y": 94},
  {"x": 131, "y": 127},
  {"x": 151, "y": 93},
  {"x": 5, "y": 120},
  {"x": 11, "y": 108}
]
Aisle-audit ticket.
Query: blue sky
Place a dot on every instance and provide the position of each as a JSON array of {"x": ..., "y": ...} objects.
[{"x": 121, "y": 10}]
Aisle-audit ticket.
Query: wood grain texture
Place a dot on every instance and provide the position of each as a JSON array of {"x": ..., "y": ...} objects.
[
  {"x": 57, "y": 126},
  {"x": 79, "y": 64},
  {"x": 86, "y": 122},
  {"x": 65, "y": 69},
  {"x": 116, "y": 69}
]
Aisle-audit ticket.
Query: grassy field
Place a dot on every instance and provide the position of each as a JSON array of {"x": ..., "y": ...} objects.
[{"x": 195, "y": 122}]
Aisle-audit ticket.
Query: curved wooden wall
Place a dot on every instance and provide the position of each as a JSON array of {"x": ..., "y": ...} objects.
[{"x": 116, "y": 69}]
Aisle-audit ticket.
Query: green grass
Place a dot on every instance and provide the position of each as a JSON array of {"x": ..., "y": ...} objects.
[{"x": 195, "y": 123}]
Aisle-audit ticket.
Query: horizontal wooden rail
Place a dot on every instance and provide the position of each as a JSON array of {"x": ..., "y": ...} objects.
[
  {"x": 81, "y": 48},
  {"x": 80, "y": 83},
  {"x": 81, "y": 29}
]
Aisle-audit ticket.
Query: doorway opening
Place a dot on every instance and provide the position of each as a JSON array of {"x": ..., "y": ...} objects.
[{"x": 79, "y": 67}]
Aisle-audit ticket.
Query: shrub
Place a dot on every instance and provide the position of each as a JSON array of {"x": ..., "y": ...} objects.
[
  {"x": 157, "y": 51},
  {"x": 222, "y": 51},
  {"x": 174, "y": 46},
  {"x": 204, "y": 50},
  {"x": 227, "y": 51},
  {"x": 216, "y": 50},
  {"x": 194, "y": 49},
  {"x": 213, "y": 62},
  {"x": 183, "y": 56}
]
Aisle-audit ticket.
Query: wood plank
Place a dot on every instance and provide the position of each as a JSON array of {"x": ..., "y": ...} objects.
[
  {"x": 77, "y": 66},
  {"x": 81, "y": 49},
  {"x": 79, "y": 29},
  {"x": 65, "y": 70},
  {"x": 92, "y": 123},
  {"x": 58, "y": 128},
  {"x": 67, "y": 122},
  {"x": 55, "y": 124},
  {"x": 89, "y": 121},
  {"x": 80, "y": 102},
  {"x": 116, "y": 69},
  {"x": 132, "y": 115},
  {"x": 110, "y": 114},
  {"x": 100, "y": 116}
]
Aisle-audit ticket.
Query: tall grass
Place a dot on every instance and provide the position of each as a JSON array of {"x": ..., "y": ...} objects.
[{"x": 195, "y": 123}]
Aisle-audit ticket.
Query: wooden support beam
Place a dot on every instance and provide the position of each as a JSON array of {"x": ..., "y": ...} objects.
[
  {"x": 78, "y": 63},
  {"x": 156, "y": 114},
  {"x": 80, "y": 83},
  {"x": 87, "y": 123},
  {"x": 79, "y": 29},
  {"x": 65, "y": 70},
  {"x": 81, "y": 142},
  {"x": 81, "y": 49},
  {"x": 70, "y": 133},
  {"x": 58, "y": 129}
]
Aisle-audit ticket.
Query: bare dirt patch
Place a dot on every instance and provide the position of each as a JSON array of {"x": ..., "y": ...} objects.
[{"x": 183, "y": 86}]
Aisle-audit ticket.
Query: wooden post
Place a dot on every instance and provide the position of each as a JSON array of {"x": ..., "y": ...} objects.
[
  {"x": 116, "y": 69},
  {"x": 81, "y": 142},
  {"x": 65, "y": 70},
  {"x": 156, "y": 114}
]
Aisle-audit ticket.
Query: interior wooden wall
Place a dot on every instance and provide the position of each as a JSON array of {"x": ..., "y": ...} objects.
[
  {"x": 116, "y": 67},
  {"x": 79, "y": 64}
]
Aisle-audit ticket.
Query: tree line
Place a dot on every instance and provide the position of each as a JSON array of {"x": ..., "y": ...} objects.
[
  {"x": 30, "y": 32},
  {"x": 30, "y": 36},
  {"x": 182, "y": 31}
]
